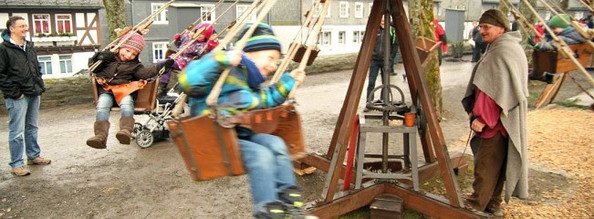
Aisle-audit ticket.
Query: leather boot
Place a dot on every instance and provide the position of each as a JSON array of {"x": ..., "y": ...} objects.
[
  {"x": 100, "y": 139},
  {"x": 126, "y": 127}
]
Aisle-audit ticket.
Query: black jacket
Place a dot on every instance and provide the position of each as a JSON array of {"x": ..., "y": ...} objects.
[
  {"x": 378, "y": 50},
  {"x": 20, "y": 72}
]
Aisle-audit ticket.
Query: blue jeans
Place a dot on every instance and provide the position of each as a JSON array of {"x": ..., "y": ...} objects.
[
  {"x": 374, "y": 68},
  {"x": 24, "y": 115},
  {"x": 106, "y": 101},
  {"x": 269, "y": 167}
]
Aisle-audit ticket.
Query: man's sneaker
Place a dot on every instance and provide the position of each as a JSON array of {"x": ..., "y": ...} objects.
[
  {"x": 39, "y": 161},
  {"x": 272, "y": 210},
  {"x": 298, "y": 213},
  {"x": 20, "y": 171}
]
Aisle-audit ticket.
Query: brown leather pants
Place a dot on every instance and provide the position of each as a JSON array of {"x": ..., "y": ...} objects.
[{"x": 489, "y": 173}]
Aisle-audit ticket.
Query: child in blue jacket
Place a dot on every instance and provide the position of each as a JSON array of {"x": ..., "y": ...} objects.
[{"x": 265, "y": 157}]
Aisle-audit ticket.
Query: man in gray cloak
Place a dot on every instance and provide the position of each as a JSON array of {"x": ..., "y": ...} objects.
[{"x": 496, "y": 101}]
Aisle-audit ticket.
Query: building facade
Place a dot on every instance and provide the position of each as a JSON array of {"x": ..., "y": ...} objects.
[{"x": 65, "y": 33}]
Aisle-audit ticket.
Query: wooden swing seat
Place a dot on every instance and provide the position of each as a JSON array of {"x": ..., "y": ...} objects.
[
  {"x": 146, "y": 98},
  {"x": 553, "y": 61},
  {"x": 211, "y": 151}
]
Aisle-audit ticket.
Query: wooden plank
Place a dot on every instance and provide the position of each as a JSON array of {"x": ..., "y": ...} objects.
[
  {"x": 348, "y": 203},
  {"x": 428, "y": 206},
  {"x": 549, "y": 91},
  {"x": 412, "y": 64}
]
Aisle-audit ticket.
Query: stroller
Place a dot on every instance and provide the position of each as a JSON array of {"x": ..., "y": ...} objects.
[{"x": 154, "y": 129}]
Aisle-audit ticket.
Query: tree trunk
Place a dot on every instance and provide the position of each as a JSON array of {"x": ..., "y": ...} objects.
[
  {"x": 421, "y": 16},
  {"x": 114, "y": 11}
]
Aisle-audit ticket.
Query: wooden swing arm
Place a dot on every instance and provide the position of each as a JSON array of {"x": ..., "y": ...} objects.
[
  {"x": 293, "y": 46},
  {"x": 211, "y": 100},
  {"x": 562, "y": 46},
  {"x": 571, "y": 22},
  {"x": 141, "y": 28},
  {"x": 194, "y": 37},
  {"x": 519, "y": 16},
  {"x": 312, "y": 44}
]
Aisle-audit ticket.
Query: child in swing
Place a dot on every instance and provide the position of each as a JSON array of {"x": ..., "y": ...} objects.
[
  {"x": 265, "y": 157},
  {"x": 120, "y": 68},
  {"x": 205, "y": 42}
]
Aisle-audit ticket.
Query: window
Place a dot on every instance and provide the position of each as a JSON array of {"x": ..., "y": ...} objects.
[
  {"x": 318, "y": 10},
  {"x": 240, "y": 9},
  {"x": 46, "y": 64},
  {"x": 205, "y": 12},
  {"x": 579, "y": 15},
  {"x": 65, "y": 64},
  {"x": 547, "y": 15},
  {"x": 358, "y": 36},
  {"x": 325, "y": 38},
  {"x": 161, "y": 18},
  {"x": 159, "y": 50},
  {"x": 341, "y": 37},
  {"x": 358, "y": 10},
  {"x": 41, "y": 24},
  {"x": 64, "y": 23},
  {"x": 370, "y": 6},
  {"x": 344, "y": 10}
]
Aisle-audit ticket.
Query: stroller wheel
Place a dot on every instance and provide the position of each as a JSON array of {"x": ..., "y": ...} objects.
[
  {"x": 137, "y": 129},
  {"x": 144, "y": 138}
]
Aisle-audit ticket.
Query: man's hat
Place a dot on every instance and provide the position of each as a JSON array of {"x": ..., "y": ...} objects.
[{"x": 495, "y": 17}]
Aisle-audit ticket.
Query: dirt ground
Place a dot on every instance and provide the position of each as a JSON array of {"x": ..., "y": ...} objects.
[{"x": 126, "y": 181}]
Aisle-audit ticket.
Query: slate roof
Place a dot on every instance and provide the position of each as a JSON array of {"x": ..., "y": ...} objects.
[{"x": 52, "y": 4}]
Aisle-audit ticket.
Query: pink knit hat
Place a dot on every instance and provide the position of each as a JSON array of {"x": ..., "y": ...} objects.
[
  {"x": 208, "y": 29},
  {"x": 135, "y": 42}
]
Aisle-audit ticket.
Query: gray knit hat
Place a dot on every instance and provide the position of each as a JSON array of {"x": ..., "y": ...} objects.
[{"x": 495, "y": 17}]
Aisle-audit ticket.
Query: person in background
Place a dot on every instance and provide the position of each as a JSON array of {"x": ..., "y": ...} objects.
[
  {"x": 479, "y": 45},
  {"x": 377, "y": 60},
  {"x": 22, "y": 85},
  {"x": 440, "y": 36},
  {"x": 540, "y": 29},
  {"x": 496, "y": 103}
]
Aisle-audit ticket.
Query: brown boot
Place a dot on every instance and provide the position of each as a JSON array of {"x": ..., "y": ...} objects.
[
  {"x": 99, "y": 140},
  {"x": 126, "y": 127}
]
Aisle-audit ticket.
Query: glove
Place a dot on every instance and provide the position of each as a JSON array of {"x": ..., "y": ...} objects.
[
  {"x": 166, "y": 65},
  {"x": 106, "y": 55}
]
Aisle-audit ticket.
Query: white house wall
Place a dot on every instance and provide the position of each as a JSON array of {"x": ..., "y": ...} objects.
[{"x": 287, "y": 33}]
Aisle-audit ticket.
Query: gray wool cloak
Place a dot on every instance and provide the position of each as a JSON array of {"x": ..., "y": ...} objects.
[{"x": 502, "y": 74}]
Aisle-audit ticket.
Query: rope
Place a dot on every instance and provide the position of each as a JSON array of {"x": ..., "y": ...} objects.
[{"x": 580, "y": 86}]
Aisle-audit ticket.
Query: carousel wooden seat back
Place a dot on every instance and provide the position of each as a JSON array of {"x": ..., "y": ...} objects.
[
  {"x": 209, "y": 145},
  {"x": 554, "y": 61},
  {"x": 146, "y": 97}
]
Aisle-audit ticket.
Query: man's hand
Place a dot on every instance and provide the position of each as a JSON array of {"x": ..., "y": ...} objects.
[
  {"x": 298, "y": 75},
  {"x": 477, "y": 126}
]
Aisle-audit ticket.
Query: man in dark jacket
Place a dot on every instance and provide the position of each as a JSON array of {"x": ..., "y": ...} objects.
[
  {"x": 21, "y": 84},
  {"x": 479, "y": 45},
  {"x": 377, "y": 60}
]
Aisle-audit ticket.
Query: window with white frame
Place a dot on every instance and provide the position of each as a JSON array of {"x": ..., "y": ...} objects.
[
  {"x": 325, "y": 38},
  {"x": 341, "y": 37},
  {"x": 41, "y": 23},
  {"x": 579, "y": 15},
  {"x": 358, "y": 36},
  {"x": 206, "y": 14},
  {"x": 343, "y": 10},
  {"x": 547, "y": 15},
  {"x": 318, "y": 10},
  {"x": 65, "y": 64},
  {"x": 63, "y": 23},
  {"x": 159, "y": 50},
  {"x": 358, "y": 10},
  {"x": 370, "y": 6},
  {"x": 240, "y": 9},
  {"x": 161, "y": 18},
  {"x": 46, "y": 64}
]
